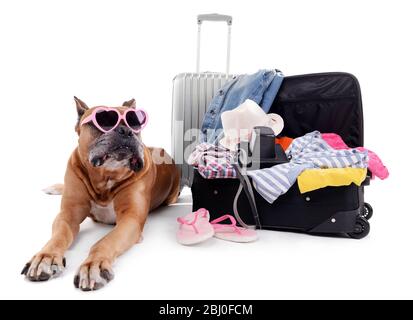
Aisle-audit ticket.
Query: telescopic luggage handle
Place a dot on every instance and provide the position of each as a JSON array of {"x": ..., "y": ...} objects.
[{"x": 214, "y": 17}]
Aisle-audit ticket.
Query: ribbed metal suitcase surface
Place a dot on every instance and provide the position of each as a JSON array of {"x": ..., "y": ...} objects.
[{"x": 192, "y": 93}]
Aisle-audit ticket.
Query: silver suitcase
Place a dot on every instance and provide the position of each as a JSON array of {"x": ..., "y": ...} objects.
[{"x": 192, "y": 93}]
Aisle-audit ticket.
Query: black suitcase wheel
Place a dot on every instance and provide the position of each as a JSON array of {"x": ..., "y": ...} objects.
[
  {"x": 361, "y": 229},
  {"x": 366, "y": 211}
]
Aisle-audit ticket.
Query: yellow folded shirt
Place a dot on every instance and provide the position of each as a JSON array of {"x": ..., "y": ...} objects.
[{"x": 313, "y": 179}]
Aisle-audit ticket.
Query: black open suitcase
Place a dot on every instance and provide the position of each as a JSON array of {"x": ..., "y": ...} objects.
[{"x": 327, "y": 102}]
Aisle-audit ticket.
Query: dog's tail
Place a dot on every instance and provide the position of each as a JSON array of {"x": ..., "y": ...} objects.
[{"x": 56, "y": 189}]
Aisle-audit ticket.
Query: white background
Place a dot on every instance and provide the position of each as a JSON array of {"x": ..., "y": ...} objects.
[{"x": 108, "y": 51}]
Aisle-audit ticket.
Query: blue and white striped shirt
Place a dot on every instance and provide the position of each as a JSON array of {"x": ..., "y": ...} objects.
[{"x": 307, "y": 152}]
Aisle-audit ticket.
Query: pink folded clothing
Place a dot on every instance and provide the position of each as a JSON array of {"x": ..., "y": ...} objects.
[
  {"x": 213, "y": 162},
  {"x": 375, "y": 165}
]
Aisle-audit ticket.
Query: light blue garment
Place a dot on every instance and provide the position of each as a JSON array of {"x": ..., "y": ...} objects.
[
  {"x": 261, "y": 87},
  {"x": 307, "y": 152}
]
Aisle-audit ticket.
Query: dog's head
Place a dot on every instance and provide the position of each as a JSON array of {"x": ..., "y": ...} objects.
[{"x": 119, "y": 148}]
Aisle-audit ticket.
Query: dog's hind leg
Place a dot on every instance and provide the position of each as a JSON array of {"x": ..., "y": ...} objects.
[{"x": 56, "y": 189}]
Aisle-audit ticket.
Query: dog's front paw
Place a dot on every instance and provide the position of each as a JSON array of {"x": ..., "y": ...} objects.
[
  {"x": 44, "y": 266},
  {"x": 93, "y": 274}
]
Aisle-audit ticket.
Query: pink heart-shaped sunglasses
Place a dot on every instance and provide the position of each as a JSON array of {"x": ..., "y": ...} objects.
[{"x": 107, "y": 119}]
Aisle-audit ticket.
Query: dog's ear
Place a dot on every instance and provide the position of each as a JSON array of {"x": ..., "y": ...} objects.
[
  {"x": 81, "y": 107},
  {"x": 131, "y": 103}
]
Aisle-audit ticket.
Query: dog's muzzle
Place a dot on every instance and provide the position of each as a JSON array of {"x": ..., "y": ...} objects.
[{"x": 119, "y": 148}]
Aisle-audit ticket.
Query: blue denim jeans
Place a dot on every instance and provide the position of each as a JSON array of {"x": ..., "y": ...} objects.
[{"x": 262, "y": 87}]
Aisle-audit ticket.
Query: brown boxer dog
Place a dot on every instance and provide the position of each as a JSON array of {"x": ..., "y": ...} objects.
[{"x": 112, "y": 178}]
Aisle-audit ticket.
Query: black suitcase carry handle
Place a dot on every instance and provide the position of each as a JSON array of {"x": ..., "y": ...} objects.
[
  {"x": 264, "y": 155},
  {"x": 246, "y": 184}
]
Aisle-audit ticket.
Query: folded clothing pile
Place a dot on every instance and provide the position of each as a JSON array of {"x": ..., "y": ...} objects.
[
  {"x": 317, "y": 160},
  {"x": 307, "y": 152}
]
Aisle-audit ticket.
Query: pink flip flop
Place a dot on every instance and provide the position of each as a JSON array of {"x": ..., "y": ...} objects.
[
  {"x": 194, "y": 228},
  {"x": 230, "y": 232}
]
